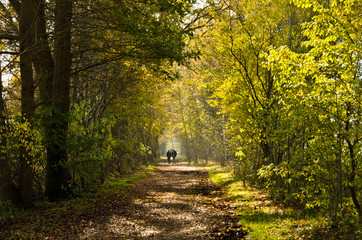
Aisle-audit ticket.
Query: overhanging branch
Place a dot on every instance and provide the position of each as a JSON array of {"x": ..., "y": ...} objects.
[
  {"x": 6, "y": 36},
  {"x": 10, "y": 53}
]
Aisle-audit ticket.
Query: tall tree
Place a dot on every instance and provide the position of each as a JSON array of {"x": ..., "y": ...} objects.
[
  {"x": 26, "y": 35},
  {"x": 58, "y": 175},
  {"x": 42, "y": 56}
]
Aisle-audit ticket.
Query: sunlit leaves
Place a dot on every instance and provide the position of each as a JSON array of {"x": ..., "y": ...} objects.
[
  {"x": 288, "y": 78},
  {"x": 24, "y": 135},
  {"x": 90, "y": 144},
  {"x": 323, "y": 83}
]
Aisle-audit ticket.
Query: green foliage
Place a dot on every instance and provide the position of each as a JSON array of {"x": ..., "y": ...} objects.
[
  {"x": 127, "y": 181},
  {"x": 193, "y": 120},
  {"x": 264, "y": 218},
  {"x": 27, "y": 135},
  {"x": 286, "y": 76},
  {"x": 121, "y": 52},
  {"x": 90, "y": 145},
  {"x": 139, "y": 120},
  {"x": 154, "y": 29},
  {"x": 326, "y": 88},
  {"x": 8, "y": 211}
]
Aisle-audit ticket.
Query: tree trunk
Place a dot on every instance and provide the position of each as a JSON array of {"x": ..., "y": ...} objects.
[
  {"x": 351, "y": 186},
  {"x": 352, "y": 172},
  {"x": 58, "y": 175},
  {"x": 42, "y": 57},
  {"x": 7, "y": 188},
  {"x": 44, "y": 68},
  {"x": 26, "y": 27}
]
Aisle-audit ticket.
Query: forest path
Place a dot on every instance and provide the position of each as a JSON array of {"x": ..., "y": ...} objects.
[{"x": 176, "y": 202}]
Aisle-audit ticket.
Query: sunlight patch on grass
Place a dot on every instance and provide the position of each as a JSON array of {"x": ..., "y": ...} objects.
[
  {"x": 262, "y": 217},
  {"x": 219, "y": 176},
  {"x": 115, "y": 185}
]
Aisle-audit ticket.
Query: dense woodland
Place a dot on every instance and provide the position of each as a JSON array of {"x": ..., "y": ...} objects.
[{"x": 271, "y": 88}]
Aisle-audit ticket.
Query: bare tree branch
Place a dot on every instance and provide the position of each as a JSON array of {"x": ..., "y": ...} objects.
[
  {"x": 10, "y": 53},
  {"x": 8, "y": 36}
]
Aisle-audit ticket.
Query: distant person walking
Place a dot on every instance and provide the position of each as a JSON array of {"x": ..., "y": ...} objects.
[
  {"x": 174, "y": 154},
  {"x": 168, "y": 154}
]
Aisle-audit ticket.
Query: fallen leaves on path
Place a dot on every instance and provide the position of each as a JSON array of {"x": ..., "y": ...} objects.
[{"x": 175, "y": 202}]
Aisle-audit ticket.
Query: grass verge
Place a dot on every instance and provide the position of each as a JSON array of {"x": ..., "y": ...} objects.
[{"x": 265, "y": 219}]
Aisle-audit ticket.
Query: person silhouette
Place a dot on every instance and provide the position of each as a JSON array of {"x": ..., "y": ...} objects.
[
  {"x": 174, "y": 154},
  {"x": 168, "y": 154}
]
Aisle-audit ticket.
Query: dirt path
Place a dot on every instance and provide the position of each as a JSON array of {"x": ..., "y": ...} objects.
[{"x": 176, "y": 202}]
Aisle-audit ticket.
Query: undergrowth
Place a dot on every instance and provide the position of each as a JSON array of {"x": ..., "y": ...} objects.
[
  {"x": 264, "y": 218},
  {"x": 78, "y": 205}
]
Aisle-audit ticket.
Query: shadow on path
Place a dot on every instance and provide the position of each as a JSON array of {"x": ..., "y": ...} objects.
[{"x": 176, "y": 202}]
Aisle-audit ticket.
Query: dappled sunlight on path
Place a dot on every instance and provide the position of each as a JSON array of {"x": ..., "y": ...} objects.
[{"x": 176, "y": 202}]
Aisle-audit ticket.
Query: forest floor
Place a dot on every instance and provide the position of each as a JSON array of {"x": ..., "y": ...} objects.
[{"x": 174, "y": 202}]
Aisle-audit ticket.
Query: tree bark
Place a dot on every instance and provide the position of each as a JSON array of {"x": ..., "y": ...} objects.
[
  {"x": 58, "y": 175},
  {"x": 352, "y": 172},
  {"x": 42, "y": 57},
  {"x": 44, "y": 68},
  {"x": 26, "y": 27}
]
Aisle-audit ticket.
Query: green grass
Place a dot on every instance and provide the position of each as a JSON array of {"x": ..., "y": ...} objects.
[
  {"x": 112, "y": 185},
  {"x": 265, "y": 219}
]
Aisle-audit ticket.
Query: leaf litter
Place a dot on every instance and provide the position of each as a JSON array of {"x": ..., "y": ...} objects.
[{"x": 175, "y": 202}]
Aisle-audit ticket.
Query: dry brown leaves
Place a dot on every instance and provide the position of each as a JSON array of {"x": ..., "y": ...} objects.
[{"x": 176, "y": 202}]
